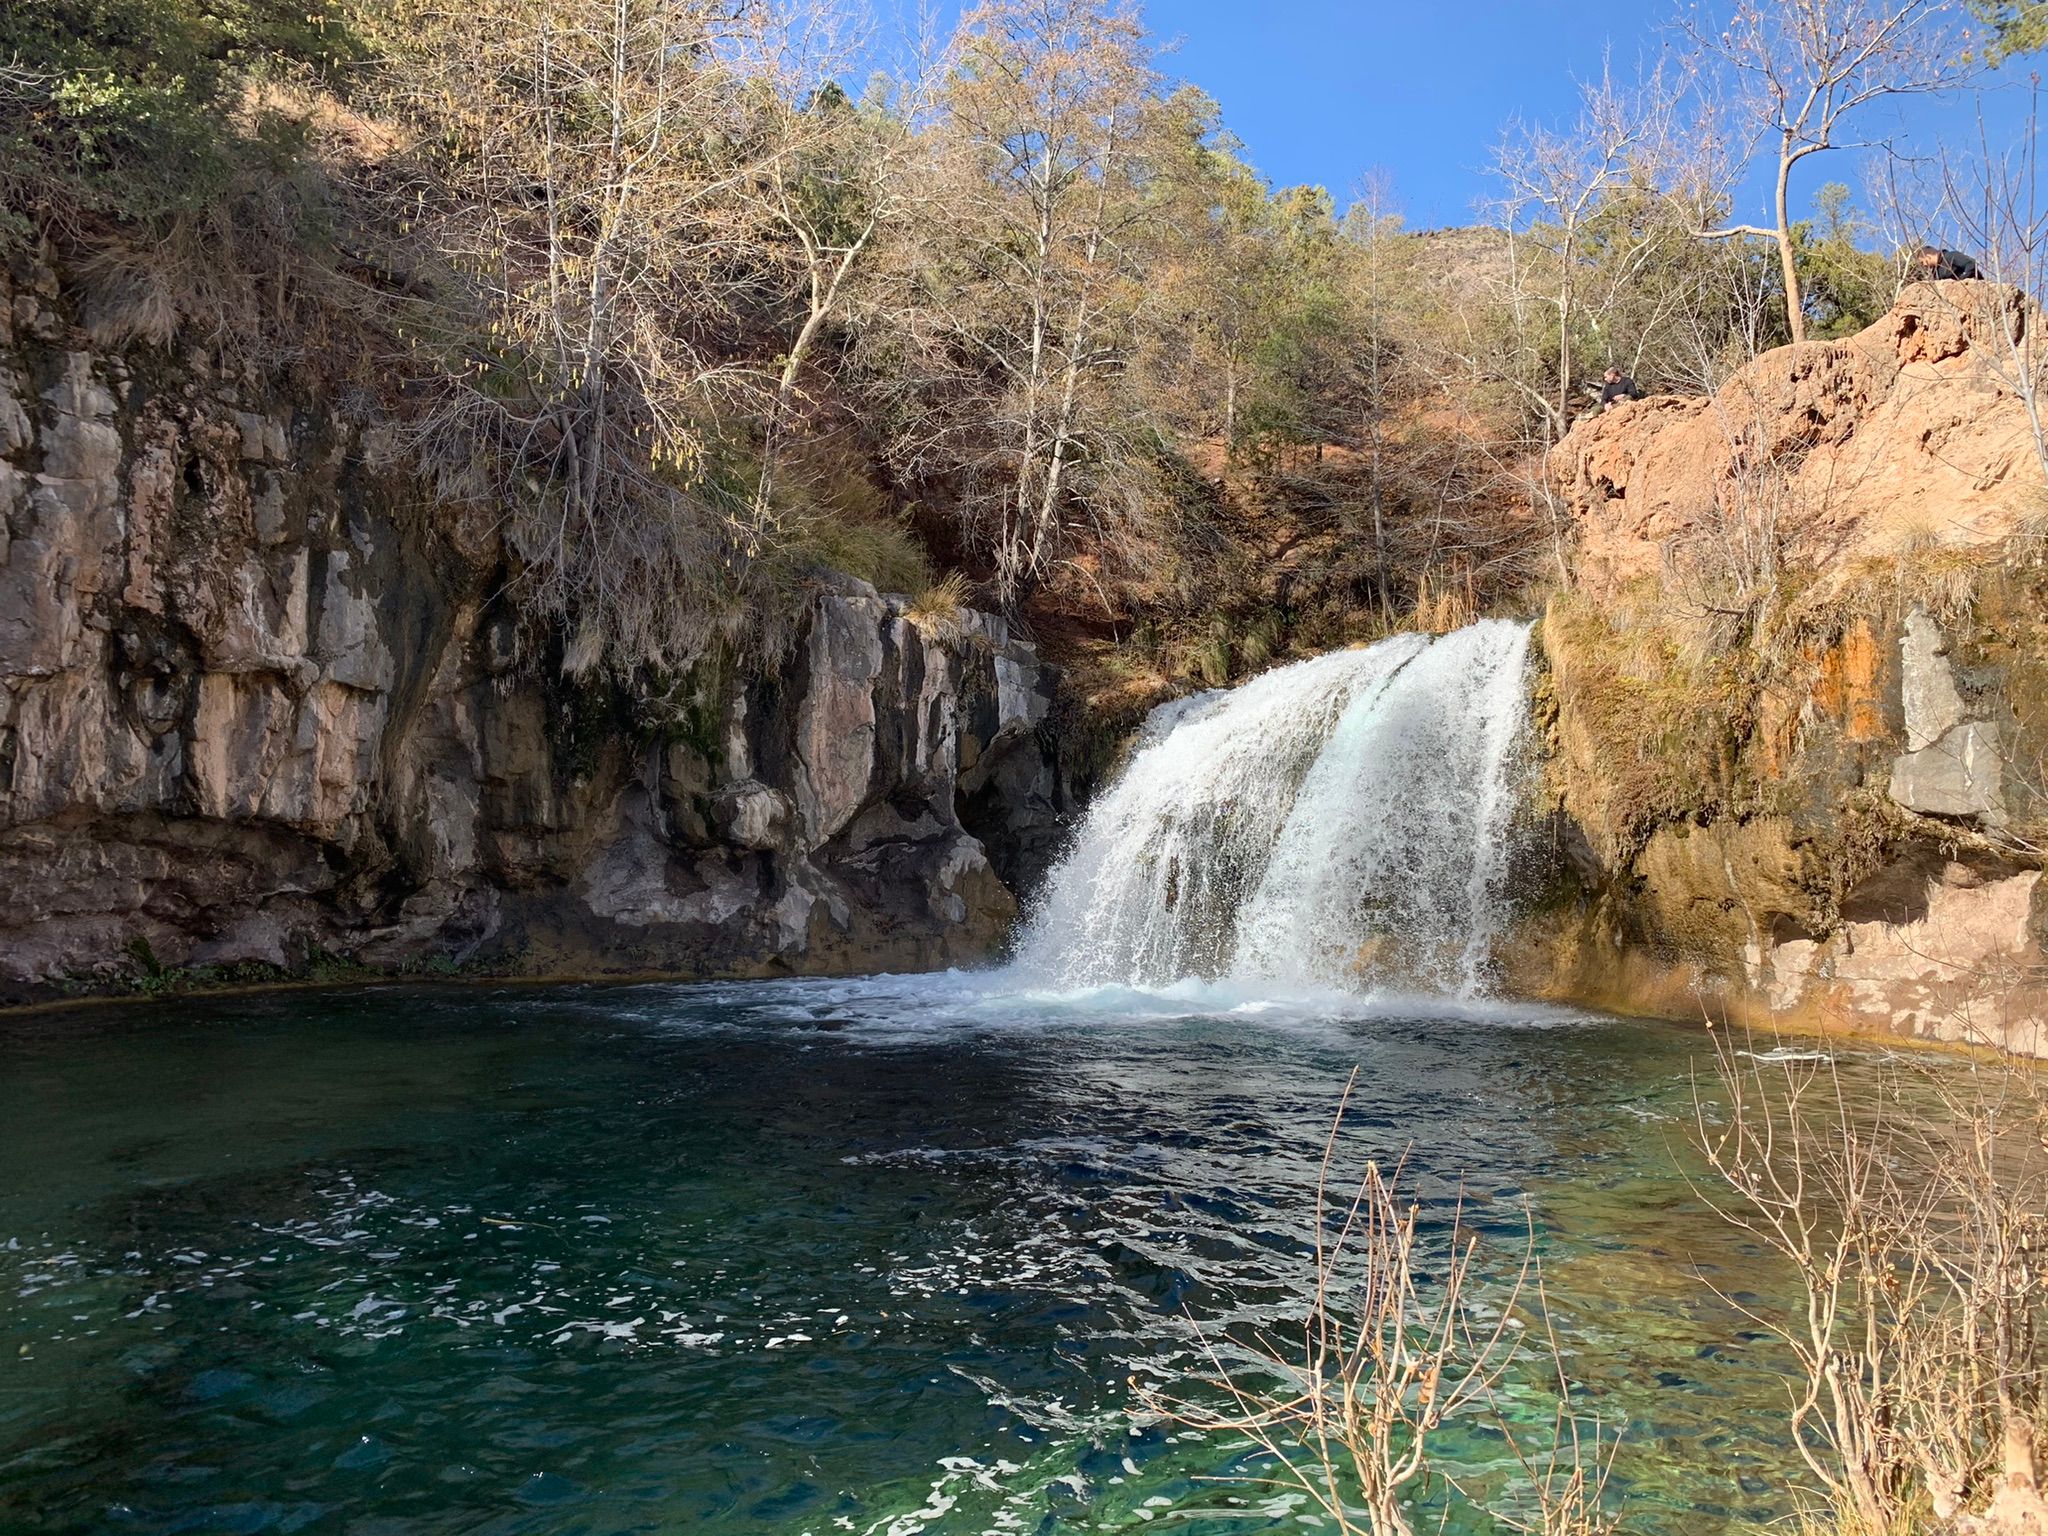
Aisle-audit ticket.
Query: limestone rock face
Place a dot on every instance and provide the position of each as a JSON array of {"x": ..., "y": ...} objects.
[
  {"x": 1952, "y": 765},
  {"x": 836, "y": 720},
  {"x": 1927, "y": 683},
  {"x": 254, "y": 707},
  {"x": 1962, "y": 774},
  {"x": 1958, "y": 962}
]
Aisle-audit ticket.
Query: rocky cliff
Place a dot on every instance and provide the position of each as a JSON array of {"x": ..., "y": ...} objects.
[
  {"x": 1796, "y": 708},
  {"x": 263, "y": 709}
]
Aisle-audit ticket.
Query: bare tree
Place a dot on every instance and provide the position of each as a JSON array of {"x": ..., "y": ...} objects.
[
  {"x": 1995, "y": 202},
  {"x": 1912, "y": 1209},
  {"x": 1802, "y": 71},
  {"x": 584, "y": 182},
  {"x": 1009, "y": 331},
  {"x": 1215, "y": 266},
  {"x": 1556, "y": 184},
  {"x": 847, "y": 183},
  {"x": 1555, "y": 181},
  {"x": 1373, "y": 224}
]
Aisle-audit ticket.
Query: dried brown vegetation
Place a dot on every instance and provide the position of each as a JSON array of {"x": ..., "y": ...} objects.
[
  {"x": 1912, "y": 1211},
  {"x": 1398, "y": 1342}
]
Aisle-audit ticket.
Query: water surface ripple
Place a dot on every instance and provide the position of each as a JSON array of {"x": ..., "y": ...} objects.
[{"x": 878, "y": 1256}]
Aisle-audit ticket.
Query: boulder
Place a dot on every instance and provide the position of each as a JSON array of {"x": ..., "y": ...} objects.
[
  {"x": 751, "y": 815},
  {"x": 1960, "y": 775}
]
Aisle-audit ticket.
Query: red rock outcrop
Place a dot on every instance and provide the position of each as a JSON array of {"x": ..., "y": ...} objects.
[
  {"x": 1822, "y": 801},
  {"x": 1908, "y": 434}
]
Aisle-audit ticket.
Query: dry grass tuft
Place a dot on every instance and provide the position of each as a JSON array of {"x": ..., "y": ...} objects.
[
  {"x": 1444, "y": 602},
  {"x": 1941, "y": 578},
  {"x": 885, "y": 554},
  {"x": 936, "y": 609}
]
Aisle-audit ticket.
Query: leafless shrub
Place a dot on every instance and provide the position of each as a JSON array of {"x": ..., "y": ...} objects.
[
  {"x": 1813, "y": 1185},
  {"x": 1994, "y": 200},
  {"x": 1912, "y": 1217},
  {"x": 1396, "y": 1343}
]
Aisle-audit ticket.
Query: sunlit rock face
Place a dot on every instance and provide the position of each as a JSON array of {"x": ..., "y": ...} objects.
[
  {"x": 260, "y": 704},
  {"x": 1904, "y": 436},
  {"x": 1863, "y": 851},
  {"x": 1857, "y": 838},
  {"x": 1834, "y": 873}
]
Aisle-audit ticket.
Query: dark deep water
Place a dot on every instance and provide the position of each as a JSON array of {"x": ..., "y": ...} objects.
[{"x": 789, "y": 1257}]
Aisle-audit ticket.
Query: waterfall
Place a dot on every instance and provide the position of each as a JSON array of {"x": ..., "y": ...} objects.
[{"x": 1341, "y": 821}]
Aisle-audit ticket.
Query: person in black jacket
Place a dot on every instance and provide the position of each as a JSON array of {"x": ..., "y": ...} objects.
[
  {"x": 1942, "y": 265},
  {"x": 1615, "y": 387}
]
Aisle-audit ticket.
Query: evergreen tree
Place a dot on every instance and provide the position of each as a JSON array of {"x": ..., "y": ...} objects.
[{"x": 2017, "y": 26}]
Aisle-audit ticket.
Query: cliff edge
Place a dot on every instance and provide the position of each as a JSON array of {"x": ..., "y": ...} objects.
[
  {"x": 265, "y": 712},
  {"x": 1795, "y": 708},
  {"x": 1911, "y": 434}
]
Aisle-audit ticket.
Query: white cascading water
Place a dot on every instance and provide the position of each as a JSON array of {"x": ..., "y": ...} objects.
[{"x": 1337, "y": 822}]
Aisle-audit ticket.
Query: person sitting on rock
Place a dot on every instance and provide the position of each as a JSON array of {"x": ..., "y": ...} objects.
[
  {"x": 1616, "y": 387},
  {"x": 1941, "y": 265}
]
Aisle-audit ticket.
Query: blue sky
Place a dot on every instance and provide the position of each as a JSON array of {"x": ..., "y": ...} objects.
[{"x": 1323, "y": 91}]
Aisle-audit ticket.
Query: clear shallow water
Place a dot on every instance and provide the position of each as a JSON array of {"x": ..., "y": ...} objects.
[{"x": 876, "y": 1256}]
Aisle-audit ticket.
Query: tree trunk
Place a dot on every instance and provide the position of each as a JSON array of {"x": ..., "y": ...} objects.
[
  {"x": 824, "y": 297},
  {"x": 1564, "y": 339},
  {"x": 1795, "y": 304}
]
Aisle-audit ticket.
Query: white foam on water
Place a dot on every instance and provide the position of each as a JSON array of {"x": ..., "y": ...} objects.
[{"x": 875, "y": 1009}]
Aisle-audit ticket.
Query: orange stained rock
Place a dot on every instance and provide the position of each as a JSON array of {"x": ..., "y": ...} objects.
[
  {"x": 1847, "y": 687},
  {"x": 1905, "y": 436}
]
